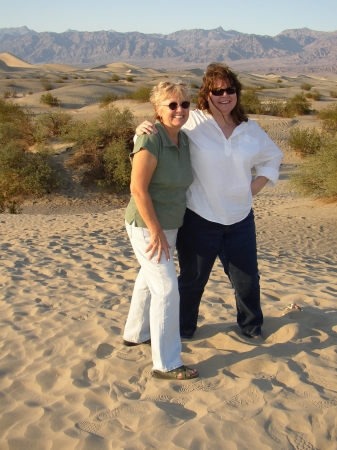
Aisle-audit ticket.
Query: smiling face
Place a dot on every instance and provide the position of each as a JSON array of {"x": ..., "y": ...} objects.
[
  {"x": 173, "y": 119},
  {"x": 224, "y": 104}
]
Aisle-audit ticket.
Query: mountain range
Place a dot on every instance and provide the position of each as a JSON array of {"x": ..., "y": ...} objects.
[{"x": 300, "y": 50}]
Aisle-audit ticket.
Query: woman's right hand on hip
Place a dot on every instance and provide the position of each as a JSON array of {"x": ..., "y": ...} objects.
[{"x": 158, "y": 245}]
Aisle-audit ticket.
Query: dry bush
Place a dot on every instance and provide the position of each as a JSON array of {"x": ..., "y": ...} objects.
[
  {"x": 306, "y": 141},
  {"x": 329, "y": 117}
]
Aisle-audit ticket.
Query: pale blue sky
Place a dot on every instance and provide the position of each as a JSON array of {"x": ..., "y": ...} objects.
[{"x": 148, "y": 16}]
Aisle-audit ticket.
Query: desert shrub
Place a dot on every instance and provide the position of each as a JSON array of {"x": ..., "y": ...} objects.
[
  {"x": 305, "y": 86},
  {"x": 107, "y": 99},
  {"x": 9, "y": 93},
  {"x": 47, "y": 86},
  {"x": 15, "y": 124},
  {"x": 102, "y": 146},
  {"x": 59, "y": 80},
  {"x": 142, "y": 94},
  {"x": 23, "y": 173},
  {"x": 129, "y": 78},
  {"x": 50, "y": 125},
  {"x": 251, "y": 102},
  {"x": 64, "y": 77},
  {"x": 117, "y": 164},
  {"x": 333, "y": 94},
  {"x": 9, "y": 206},
  {"x": 297, "y": 106},
  {"x": 194, "y": 86},
  {"x": 306, "y": 141},
  {"x": 315, "y": 95},
  {"x": 115, "y": 77},
  {"x": 50, "y": 100},
  {"x": 279, "y": 81},
  {"x": 274, "y": 107},
  {"x": 30, "y": 92},
  {"x": 329, "y": 117},
  {"x": 316, "y": 177}
]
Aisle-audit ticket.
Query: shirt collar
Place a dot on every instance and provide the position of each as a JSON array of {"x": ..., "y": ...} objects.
[{"x": 183, "y": 140}]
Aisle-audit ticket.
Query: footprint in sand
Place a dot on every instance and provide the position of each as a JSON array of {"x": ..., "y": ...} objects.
[
  {"x": 95, "y": 370},
  {"x": 130, "y": 355},
  {"x": 201, "y": 385},
  {"x": 167, "y": 399},
  {"x": 104, "y": 351},
  {"x": 299, "y": 441},
  {"x": 134, "y": 410},
  {"x": 90, "y": 427},
  {"x": 124, "y": 390}
]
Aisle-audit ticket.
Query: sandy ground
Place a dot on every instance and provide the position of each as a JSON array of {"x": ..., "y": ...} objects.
[{"x": 68, "y": 382}]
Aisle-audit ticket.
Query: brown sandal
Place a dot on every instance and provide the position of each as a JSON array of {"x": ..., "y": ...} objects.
[{"x": 185, "y": 372}]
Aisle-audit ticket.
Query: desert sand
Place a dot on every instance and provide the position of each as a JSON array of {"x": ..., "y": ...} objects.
[{"x": 66, "y": 278}]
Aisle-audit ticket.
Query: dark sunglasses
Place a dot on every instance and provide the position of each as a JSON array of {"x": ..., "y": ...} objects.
[
  {"x": 174, "y": 105},
  {"x": 229, "y": 90}
]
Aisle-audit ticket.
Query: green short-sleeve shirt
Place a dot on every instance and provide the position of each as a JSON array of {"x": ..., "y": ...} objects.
[{"x": 170, "y": 180}]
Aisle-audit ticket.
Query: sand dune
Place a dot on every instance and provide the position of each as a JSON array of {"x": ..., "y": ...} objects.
[
  {"x": 13, "y": 61},
  {"x": 66, "y": 283}
]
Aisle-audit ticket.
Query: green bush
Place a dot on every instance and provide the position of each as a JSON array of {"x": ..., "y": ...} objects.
[
  {"x": 274, "y": 107},
  {"x": 333, "y": 94},
  {"x": 117, "y": 164},
  {"x": 64, "y": 77},
  {"x": 279, "y": 81},
  {"x": 115, "y": 77},
  {"x": 102, "y": 146},
  {"x": 51, "y": 125},
  {"x": 316, "y": 177},
  {"x": 9, "y": 93},
  {"x": 129, "y": 78},
  {"x": 23, "y": 173},
  {"x": 251, "y": 102},
  {"x": 15, "y": 124},
  {"x": 50, "y": 100},
  {"x": 315, "y": 95},
  {"x": 194, "y": 86},
  {"x": 47, "y": 86},
  {"x": 142, "y": 94},
  {"x": 306, "y": 86},
  {"x": 297, "y": 106},
  {"x": 329, "y": 117},
  {"x": 305, "y": 141},
  {"x": 107, "y": 99}
]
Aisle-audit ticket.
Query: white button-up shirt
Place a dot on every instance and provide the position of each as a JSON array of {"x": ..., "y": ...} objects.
[{"x": 221, "y": 190}]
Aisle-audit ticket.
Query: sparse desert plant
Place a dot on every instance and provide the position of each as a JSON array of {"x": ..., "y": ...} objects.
[
  {"x": 23, "y": 173},
  {"x": 9, "y": 206},
  {"x": 75, "y": 77},
  {"x": 315, "y": 95},
  {"x": 305, "y": 86},
  {"x": 107, "y": 99},
  {"x": 279, "y": 81},
  {"x": 329, "y": 117},
  {"x": 97, "y": 143},
  {"x": 30, "y": 92},
  {"x": 65, "y": 77},
  {"x": 297, "y": 106},
  {"x": 15, "y": 124},
  {"x": 333, "y": 94},
  {"x": 59, "y": 80},
  {"x": 251, "y": 102},
  {"x": 115, "y": 77},
  {"x": 117, "y": 164},
  {"x": 47, "y": 86},
  {"x": 142, "y": 94},
  {"x": 49, "y": 99},
  {"x": 316, "y": 177},
  {"x": 306, "y": 141},
  {"x": 129, "y": 78},
  {"x": 274, "y": 107},
  {"x": 9, "y": 93},
  {"x": 51, "y": 125},
  {"x": 194, "y": 86}
]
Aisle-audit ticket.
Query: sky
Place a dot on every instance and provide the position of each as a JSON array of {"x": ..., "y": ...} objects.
[{"x": 264, "y": 17}]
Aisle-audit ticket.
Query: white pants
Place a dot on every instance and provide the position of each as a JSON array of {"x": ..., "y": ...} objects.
[{"x": 155, "y": 302}]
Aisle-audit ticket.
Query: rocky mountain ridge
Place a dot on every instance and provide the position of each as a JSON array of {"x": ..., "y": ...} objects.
[{"x": 303, "y": 48}]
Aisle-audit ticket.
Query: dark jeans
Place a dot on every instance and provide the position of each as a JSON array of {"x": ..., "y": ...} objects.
[{"x": 199, "y": 242}]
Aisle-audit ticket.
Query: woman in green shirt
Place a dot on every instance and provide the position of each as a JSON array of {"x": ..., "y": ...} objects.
[{"x": 161, "y": 174}]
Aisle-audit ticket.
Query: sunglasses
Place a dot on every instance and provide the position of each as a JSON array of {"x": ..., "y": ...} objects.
[
  {"x": 174, "y": 105},
  {"x": 229, "y": 90}
]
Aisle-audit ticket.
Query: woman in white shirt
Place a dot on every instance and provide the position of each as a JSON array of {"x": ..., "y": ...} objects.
[{"x": 219, "y": 221}]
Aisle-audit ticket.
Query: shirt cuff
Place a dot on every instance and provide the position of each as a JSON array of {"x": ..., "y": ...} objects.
[{"x": 270, "y": 173}]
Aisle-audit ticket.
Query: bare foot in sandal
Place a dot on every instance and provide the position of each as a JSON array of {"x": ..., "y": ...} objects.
[{"x": 181, "y": 373}]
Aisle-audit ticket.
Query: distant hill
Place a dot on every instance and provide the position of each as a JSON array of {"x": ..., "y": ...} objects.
[{"x": 302, "y": 49}]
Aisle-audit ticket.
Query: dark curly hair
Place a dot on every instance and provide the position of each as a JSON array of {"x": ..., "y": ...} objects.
[{"x": 216, "y": 71}]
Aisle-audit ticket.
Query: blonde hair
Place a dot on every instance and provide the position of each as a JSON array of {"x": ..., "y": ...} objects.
[{"x": 166, "y": 89}]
